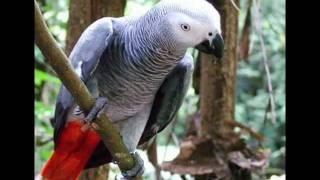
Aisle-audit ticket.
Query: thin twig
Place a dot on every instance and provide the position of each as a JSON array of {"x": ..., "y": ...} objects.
[
  {"x": 234, "y": 123},
  {"x": 268, "y": 107},
  {"x": 166, "y": 147},
  {"x": 264, "y": 59},
  {"x": 43, "y": 142},
  {"x": 175, "y": 139},
  {"x": 169, "y": 138},
  {"x": 235, "y": 5}
]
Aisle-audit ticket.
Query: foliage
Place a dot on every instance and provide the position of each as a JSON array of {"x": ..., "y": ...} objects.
[
  {"x": 47, "y": 85},
  {"x": 56, "y": 16},
  {"x": 252, "y": 95},
  {"x": 251, "y": 89}
]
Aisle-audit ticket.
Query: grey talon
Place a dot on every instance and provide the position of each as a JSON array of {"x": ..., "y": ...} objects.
[
  {"x": 99, "y": 105},
  {"x": 138, "y": 168}
]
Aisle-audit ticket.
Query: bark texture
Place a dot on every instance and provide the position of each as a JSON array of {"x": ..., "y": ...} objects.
[
  {"x": 217, "y": 85},
  {"x": 82, "y": 13},
  {"x": 217, "y": 91}
]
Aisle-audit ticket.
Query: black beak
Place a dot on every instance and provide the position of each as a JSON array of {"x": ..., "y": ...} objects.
[{"x": 216, "y": 47}]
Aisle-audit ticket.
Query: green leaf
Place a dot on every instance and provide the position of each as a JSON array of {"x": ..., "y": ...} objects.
[{"x": 41, "y": 76}]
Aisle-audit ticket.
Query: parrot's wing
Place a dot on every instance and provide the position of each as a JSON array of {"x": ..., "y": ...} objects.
[
  {"x": 86, "y": 53},
  {"x": 84, "y": 58},
  {"x": 169, "y": 98}
]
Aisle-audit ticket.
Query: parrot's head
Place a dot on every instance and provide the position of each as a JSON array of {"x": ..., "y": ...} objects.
[{"x": 195, "y": 23}]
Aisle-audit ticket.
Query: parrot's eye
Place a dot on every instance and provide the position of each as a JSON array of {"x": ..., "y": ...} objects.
[
  {"x": 185, "y": 27},
  {"x": 210, "y": 33}
]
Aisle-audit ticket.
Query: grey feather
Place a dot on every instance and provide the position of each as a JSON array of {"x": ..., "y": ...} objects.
[
  {"x": 169, "y": 98},
  {"x": 90, "y": 46}
]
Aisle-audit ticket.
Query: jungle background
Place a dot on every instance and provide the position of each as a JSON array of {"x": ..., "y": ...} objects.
[{"x": 261, "y": 46}]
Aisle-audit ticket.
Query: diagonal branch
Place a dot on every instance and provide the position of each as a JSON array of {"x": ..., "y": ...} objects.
[{"x": 60, "y": 64}]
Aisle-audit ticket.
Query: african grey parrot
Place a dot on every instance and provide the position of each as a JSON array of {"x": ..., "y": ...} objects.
[{"x": 139, "y": 69}]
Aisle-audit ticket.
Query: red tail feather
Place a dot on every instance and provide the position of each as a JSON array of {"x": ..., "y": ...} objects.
[{"x": 71, "y": 154}]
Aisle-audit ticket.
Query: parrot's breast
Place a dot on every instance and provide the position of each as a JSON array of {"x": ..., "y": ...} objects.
[{"x": 130, "y": 79}]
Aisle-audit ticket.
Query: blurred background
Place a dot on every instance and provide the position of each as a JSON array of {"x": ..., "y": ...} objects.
[{"x": 261, "y": 42}]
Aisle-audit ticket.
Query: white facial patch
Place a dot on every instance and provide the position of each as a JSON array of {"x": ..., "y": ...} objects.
[
  {"x": 195, "y": 31},
  {"x": 202, "y": 19}
]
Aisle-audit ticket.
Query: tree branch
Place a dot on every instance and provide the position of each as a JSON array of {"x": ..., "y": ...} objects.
[
  {"x": 233, "y": 124},
  {"x": 59, "y": 62}
]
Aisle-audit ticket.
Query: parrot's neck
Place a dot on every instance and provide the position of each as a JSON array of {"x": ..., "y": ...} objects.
[
  {"x": 151, "y": 51},
  {"x": 155, "y": 43},
  {"x": 152, "y": 30}
]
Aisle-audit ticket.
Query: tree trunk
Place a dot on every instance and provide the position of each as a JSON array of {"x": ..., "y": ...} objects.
[
  {"x": 217, "y": 85},
  {"x": 81, "y": 14},
  {"x": 217, "y": 90}
]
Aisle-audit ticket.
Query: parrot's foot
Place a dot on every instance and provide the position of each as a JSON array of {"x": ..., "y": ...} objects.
[
  {"x": 137, "y": 170},
  {"x": 97, "y": 108}
]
